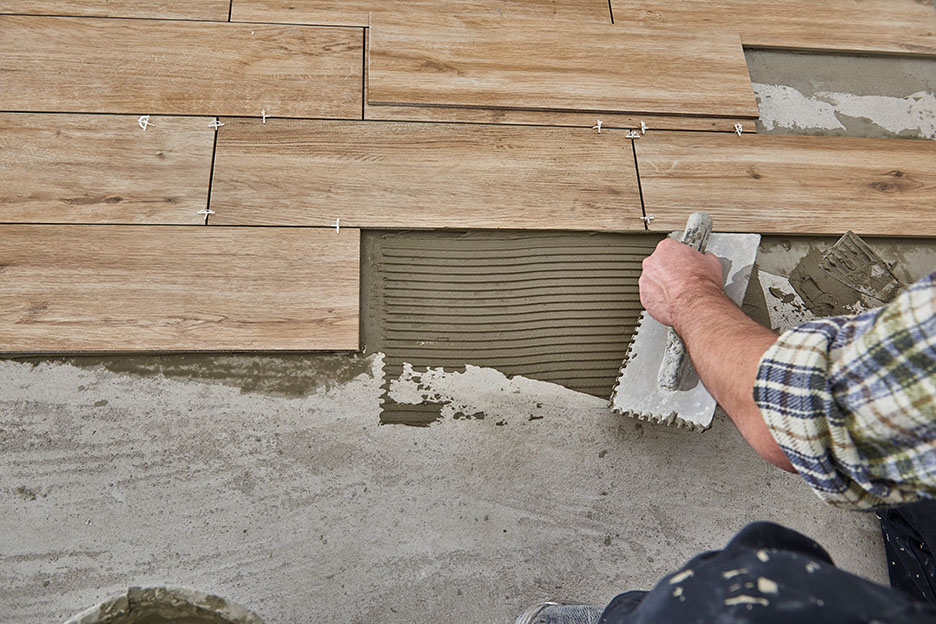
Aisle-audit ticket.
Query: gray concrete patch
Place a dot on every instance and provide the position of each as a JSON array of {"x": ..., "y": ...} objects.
[
  {"x": 302, "y": 508},
  {"x": 845, "y": 95}
]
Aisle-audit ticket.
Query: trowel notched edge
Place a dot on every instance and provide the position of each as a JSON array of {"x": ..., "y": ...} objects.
[{"x": 673, "y": 419}]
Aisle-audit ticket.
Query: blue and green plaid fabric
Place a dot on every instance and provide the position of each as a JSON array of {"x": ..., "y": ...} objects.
[{"x": 851, "y": 400}]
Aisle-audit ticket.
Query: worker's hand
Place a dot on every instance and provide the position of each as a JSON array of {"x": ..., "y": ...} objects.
[{"x": 675, "y": 276}]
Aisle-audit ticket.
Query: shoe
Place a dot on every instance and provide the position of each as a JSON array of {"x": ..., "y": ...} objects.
[{"x": 560, "y": 612}]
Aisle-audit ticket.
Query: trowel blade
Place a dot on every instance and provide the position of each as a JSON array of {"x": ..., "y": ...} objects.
[{"x": 637, "y": 393}]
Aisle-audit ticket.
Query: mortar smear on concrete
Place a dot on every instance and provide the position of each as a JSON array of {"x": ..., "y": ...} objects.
[
  {"x": 289, "y": 375},
  {"x": 826, "y": 112},
  {"x": 785, "y": 307},
  {"x": 482, "y": 392}
]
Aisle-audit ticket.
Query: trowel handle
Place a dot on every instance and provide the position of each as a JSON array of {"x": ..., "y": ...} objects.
[{"x": 698, "y": 228}]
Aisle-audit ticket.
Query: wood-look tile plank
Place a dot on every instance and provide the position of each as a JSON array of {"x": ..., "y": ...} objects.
[
  {"x": 409, "y": 175},
  {"x": 63, "y": 64},
  {"x": 548, "y": 118},
  {"x": 103, "y": 169},
  {"x": 895, "y": 26},
  {"x": 216, "y": 10},
  {"x": 95, "y": 288},
  {"x": 790, "y": 184},
  {"x": 546, "y": 65},
  {"x": 358, "y": 12}
]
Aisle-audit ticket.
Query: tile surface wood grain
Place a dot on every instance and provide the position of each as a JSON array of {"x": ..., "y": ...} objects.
[
  {"x": 895, "y": 26},
  {"x": 547, "y": 118},
  {"x": 103, "y": 169},
  {"x": 790, "y": 184},
  {"x": 216, "y": 10},
  {"x": 530, "y": 64},
  {"x": 409, "y": 175},
  {"x": 359, "y": 12},
  {"x": 96, "y": 288},
  {"x": 63, "y": 64}
]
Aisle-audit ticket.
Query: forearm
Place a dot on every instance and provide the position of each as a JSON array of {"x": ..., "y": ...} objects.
[{"x": 726, "y": 347}]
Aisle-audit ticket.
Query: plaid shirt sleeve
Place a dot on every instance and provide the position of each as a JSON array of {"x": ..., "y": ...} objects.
[{"x": 851, "y": 400}]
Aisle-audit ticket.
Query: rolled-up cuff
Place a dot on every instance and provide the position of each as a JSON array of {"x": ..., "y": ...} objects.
[{"x": 793, "y": 393}]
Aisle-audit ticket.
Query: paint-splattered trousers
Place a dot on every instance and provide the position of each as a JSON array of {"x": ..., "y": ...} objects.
[{"x": 770, "y": 574}]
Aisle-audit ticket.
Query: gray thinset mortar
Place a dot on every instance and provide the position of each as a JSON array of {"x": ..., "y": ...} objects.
[
  {"x": 857, "y": 265},
  {"x": 557, "y": 307},
  {"x": 790, "y": 286}
]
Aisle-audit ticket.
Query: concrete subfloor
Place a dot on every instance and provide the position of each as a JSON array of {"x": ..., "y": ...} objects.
[
  {"x": 267, "y": 480},
  {"x": 305, "y": 508}
]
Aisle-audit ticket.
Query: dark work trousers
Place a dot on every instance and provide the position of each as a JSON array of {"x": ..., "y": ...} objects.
[
  {"x": 769, "y": 574},
  {"x": 910, "y": 540}
]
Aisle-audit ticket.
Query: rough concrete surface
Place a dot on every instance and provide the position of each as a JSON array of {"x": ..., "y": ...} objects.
[{"x": 306, "y": 508}]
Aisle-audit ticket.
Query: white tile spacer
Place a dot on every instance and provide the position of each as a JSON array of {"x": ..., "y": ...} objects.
[
  {"x": 216, "y": 123},
  {"x": 598, "y": 127},
  {"x": 337, "y": 226},
  {"x": 643, "y": 127},
  {"x": 633, "y": 134},
  {"x": 738, "y": 128},
  {"x": 263, "y": 115},
  {"x": 206, "y": 211},
  {"x": 144, "y": 121},
  {"x": 648, "y": 219}
]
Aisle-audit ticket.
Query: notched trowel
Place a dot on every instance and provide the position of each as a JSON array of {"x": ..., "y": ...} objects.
[{"x": 657, "y": 382}]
